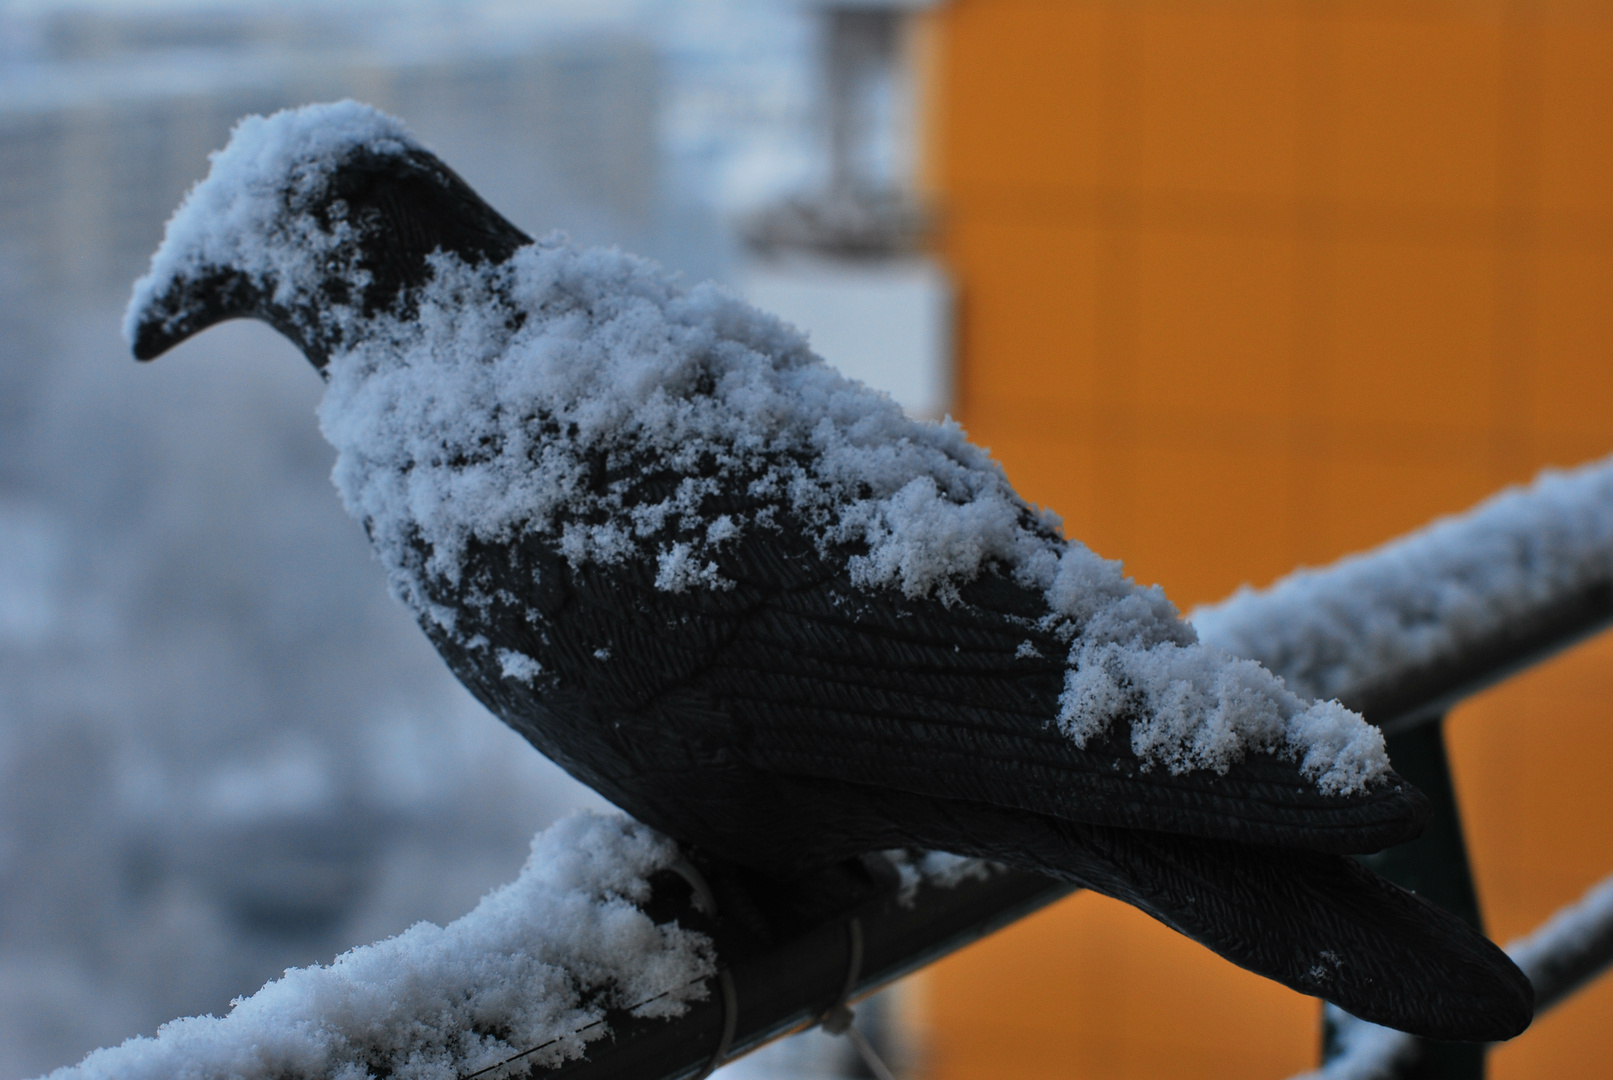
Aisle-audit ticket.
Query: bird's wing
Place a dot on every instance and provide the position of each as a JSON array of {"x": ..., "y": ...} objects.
[
  {"x": 935, "y": 717},
  {"x": 820, "y": 678}
]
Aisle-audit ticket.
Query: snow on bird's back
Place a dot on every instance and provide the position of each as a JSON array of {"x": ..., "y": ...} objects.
[
  {"x": 486, "y": 412},
  {"x": 462, "y": 425}
]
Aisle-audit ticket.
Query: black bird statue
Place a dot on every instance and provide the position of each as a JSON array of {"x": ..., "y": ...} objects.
[{"x": 753, "y": 604}]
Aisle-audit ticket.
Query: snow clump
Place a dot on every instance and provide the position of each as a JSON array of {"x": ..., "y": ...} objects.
[
  {"x": 936, "y": 869},
  {"x": 537, "y": 964}
]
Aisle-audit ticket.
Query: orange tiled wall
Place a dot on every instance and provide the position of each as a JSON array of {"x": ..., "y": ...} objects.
[{"x": 1247, "y": 285}]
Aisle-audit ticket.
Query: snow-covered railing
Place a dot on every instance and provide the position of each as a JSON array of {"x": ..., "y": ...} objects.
[
  {"x": 1569, "y": 949},
  {"x": 1404, "y": 632},
  {"x": 613, "y": 956}
]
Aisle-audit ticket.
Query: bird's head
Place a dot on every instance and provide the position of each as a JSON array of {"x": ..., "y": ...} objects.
[{"x": 311, "y": 220}]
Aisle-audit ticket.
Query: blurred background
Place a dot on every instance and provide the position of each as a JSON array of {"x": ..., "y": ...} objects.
[{"x": 1232, "y": 285}]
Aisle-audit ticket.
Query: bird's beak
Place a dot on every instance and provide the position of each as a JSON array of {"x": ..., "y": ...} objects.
[{"x": 189, "y": 304}]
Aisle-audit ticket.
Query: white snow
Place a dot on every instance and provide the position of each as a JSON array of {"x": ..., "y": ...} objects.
[
  {"x": 524, "y": 979},
  {"x": 1201, "y": 708},
  {"x": 518, "y": 665},
  {"x": 237, "y": 216},
  {"x": 487, "y": 414},
  {"x": 1428, "y": 595},
  {"x": 1581, "y": 929},
  {"x": 535, "y": 964},
  {"x": 1368, "y": 1051},
  {"x": 938, "y": 869}
]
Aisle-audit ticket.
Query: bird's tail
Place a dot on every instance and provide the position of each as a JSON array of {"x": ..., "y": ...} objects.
[{"x": 1318, "y": 923}]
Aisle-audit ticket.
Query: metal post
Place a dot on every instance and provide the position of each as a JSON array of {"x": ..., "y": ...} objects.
[{"x": 1435, "y": 867}]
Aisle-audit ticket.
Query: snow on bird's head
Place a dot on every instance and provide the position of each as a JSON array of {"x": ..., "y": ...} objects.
[{"x": 236, "y": 218}]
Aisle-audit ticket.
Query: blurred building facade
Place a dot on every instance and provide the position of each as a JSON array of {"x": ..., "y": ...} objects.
[
  {"x": 1251, "y": 284},
  {"x": 223, "y": 748},
  {"x": 846, "y": 259},
  {"x": 102, "y": 134}
]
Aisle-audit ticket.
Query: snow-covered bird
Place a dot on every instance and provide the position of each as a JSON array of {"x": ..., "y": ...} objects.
[{"x": 752, "y": 603}]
